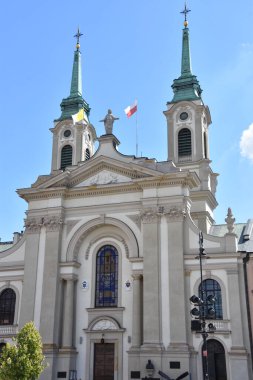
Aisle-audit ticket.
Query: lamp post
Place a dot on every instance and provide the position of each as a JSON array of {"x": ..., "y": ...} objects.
[{"x": 202, "y": 309}]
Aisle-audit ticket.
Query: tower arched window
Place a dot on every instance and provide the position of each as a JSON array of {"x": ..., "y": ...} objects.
[
  {"x": 205, "y": 145},
  {"x": 66, "y": 156},
  {"x": 184, "y": 144},
  {"x": 107, "y": 277},
  {"x": 87, "y": 154},
  {"x": 7, "y": 306},
  {"x": 212, "y": 287}
]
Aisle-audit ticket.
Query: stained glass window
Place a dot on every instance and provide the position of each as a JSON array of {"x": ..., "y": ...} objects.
[
  {"x": 212, "y": 287},
  {"x": 107, "y": 277},
  {"x": 7, "y": 307}
]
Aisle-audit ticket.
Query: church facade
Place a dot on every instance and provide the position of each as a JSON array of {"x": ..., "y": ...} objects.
[{"x": 107, "y": 262}]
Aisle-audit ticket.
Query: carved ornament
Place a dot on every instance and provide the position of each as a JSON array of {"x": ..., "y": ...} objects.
[
  {"x": 104, "y": 324},
  {"x": 52, "y": 223}
]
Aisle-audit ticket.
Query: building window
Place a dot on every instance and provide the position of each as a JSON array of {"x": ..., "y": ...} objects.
[
  {"x": 7, "y": 306},
  {"x": 184, "y": 143},
  {"x": 107, "y": 277},
  {"x": 212, "y": 287},
  {"x": 87, "y": 154},
  {"x": 66, "y": 156}
]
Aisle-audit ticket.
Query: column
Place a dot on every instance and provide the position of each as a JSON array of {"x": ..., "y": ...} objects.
[
  {"x": 137, "y": 311},
  {"x": 68, "y": 313}
]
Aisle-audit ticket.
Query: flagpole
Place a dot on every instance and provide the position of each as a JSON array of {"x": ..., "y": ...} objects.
[{"x": 136, "y": 131}]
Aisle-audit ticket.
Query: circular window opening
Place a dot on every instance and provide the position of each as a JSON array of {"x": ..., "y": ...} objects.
[
  {"x": 183, "y": 116},
  {"x": 67, "y": 133}
]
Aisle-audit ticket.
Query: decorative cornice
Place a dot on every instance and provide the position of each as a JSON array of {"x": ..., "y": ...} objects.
[{"x": 64, "y": 186}]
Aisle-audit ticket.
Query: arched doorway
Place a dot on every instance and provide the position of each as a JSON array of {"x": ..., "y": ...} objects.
[{"x": 216, "y": 361}]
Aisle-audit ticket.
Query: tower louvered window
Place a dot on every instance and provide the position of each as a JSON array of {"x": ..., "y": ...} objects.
[
  {"x": 66, "y": 156},
  {"x": 87, "y": 154},
  {"x": 184, "y": 144},
  {"x": 7, "y": 306}
]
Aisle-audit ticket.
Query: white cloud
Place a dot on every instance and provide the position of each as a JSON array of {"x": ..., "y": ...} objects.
[{"x": 246, "y": 143}]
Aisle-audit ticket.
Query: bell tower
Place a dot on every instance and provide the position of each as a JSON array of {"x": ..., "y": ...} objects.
[
  {"x": 73, "y": 134},
  {"x": 188, "y": 121}
]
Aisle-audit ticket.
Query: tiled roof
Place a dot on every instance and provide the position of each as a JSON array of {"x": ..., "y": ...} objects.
[{"x": 244, "y": 231}]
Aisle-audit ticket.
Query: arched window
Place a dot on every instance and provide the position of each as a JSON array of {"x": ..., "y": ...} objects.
[
  {"x": 216, "y": 361},
  {"x": 87, "y": 154},
  {"x": 107, "y": 277},
  {"x": 212, "y": 287},
  {"x": 66, "y": 156},
  {"x": 7, "y": 306},
  {"x": 184, "y": 143}
]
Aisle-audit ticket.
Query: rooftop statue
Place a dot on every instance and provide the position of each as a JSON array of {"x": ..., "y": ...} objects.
[{"x": 108, "y": 122}]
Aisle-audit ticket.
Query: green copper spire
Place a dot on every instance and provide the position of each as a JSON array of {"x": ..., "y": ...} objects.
[
  {"x": 186, "y": 87},
  {"x": 74, "y": 102}
]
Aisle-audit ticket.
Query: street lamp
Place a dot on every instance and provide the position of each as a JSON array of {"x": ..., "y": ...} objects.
[{"x": 203, "y": 309}]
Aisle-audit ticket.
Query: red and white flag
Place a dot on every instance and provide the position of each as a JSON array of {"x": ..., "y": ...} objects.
[{"x": 130, "y": 110}]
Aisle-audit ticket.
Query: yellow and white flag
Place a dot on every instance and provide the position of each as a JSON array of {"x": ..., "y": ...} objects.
[{"x": 80, "y": 115}]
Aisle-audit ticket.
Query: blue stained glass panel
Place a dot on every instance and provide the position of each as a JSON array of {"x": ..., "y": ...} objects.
[{"x": 107, "y": 277}]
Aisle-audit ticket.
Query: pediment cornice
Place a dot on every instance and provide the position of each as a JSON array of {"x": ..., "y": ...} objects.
[{"x": 182, "y": 179}]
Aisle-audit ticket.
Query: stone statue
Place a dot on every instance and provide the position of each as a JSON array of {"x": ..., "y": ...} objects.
[{"x": 108, "y": 122}]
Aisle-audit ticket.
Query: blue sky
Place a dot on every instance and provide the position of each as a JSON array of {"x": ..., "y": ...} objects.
[{"x": 130, "y": 49}]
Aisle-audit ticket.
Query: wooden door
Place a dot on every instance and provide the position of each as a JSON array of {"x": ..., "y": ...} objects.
[{"x": 103, "y": 361}]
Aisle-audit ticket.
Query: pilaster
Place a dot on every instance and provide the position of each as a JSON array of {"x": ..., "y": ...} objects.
[
  {"x": 68, "y": 313},
  {"x": 151, "y": 286},
  {"x": 32, "y": 232},
  {"x": 175, "y": 223},
  {"x": 50, "y": 293},
  {"x": 235, "y": 310},
  {"x": 137, "y": 310}
]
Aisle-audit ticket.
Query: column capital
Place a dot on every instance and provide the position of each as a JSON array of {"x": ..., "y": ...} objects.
[
  {"x": 137, "y": 276},
  {"x": 69, "y": 277},
  {"x": 149, "y": 215},
  {"x": 176, "y": 212}
]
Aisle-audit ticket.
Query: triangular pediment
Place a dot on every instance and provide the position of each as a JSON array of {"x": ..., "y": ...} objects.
[
  {"x": 103, "y": 171},
  {"x": 104, "y": 177}
]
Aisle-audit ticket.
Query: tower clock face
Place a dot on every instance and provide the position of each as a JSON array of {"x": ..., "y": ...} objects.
[
  {"x": 67, "y": 133},
  {"x": 183, "y": 116}
]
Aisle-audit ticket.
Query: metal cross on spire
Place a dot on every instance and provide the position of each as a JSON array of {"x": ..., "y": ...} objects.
[
  {"x": 185, "y": 11},
  {"x": 77, "y": 36}
]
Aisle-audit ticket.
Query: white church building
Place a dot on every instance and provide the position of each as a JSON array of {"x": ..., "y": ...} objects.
[{"x": 107, "y": 262}]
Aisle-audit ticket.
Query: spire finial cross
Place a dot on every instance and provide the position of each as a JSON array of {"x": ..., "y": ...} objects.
[
  {"x": 77, "y": 36},
  {"x": 185, "y": 11}
]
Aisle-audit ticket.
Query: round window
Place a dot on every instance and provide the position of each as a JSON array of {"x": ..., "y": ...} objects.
[
  {"x": 183, "y": 115},
  {"x": 67, "y": 133}
]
